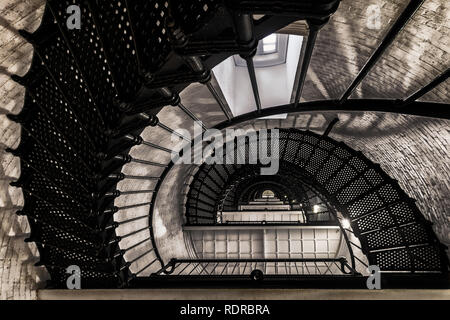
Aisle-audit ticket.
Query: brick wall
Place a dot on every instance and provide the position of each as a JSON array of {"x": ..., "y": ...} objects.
[
  {"x": 413, "y": 150},
  {"x": 420, "y": 52},
  {"x": 18, "y": 276}
]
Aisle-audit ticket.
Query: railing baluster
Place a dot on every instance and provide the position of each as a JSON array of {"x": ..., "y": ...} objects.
[
  {"x": 354, "y": 244},
  {"x": 226, "y": 265},
  {"x": 140, "y": 177},
  {"x": 191, "y": 115},
  {"x": 142, "y": 255},
  {"x": 134, "y": 206},
  {"x": 362, "y": 262},
  {"x": 307, "y": 269},
  {"x": 187, "y": 265},
  {"x": 218, "y": 99},
  {"x": 64, "y": 96},
  {"x": 279, "y": 265},
  {"x": 318, "y": 270},
  {"x": 147, "y": 266},
  {"x": 150, "y": 163},
  {"x": 152, "y": 145},
  {"x": 171, "y": 131},
  {"x": 193, "y": 268},
  {"x": 54, "y": 183},
  {"x": 212, "y": 271},
  {"x": 328, "y": 268},
  {"x": 132, "y": 219},
  {"x": 234, "y": 267},
  {"x": 123, "y": 193},
  {"x": 254, "y": 82},
  {"x": 424, "y": 90},
  {"x": 137, "y": 244},
  {"x": 134, "y": 232}
]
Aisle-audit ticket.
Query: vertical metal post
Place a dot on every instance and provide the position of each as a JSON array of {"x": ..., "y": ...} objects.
[
  {"x": 252, "y": 74},
  {"x": 313, "y": 31}
]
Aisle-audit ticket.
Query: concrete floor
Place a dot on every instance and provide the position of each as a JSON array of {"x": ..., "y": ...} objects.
[{"x": 244, "y": 294}]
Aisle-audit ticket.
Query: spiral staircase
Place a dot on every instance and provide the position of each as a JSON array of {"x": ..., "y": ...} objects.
[
  {"x": 393, "y": 233},
  {"x": 93, "y": 98}
]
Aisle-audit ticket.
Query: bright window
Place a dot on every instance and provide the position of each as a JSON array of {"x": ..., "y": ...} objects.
[
  {"x": 268, "y": 194},
  {"x": 269, "y": 44}
]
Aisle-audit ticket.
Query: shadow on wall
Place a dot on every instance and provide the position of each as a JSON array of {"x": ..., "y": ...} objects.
[
  {"x": 19, "y": 278},
  {"x": 374, "y": 125},
  {"x": 413, "y": 150}
]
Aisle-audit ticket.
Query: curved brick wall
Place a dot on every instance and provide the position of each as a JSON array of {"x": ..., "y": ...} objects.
[{"x": 413, "y": 150}]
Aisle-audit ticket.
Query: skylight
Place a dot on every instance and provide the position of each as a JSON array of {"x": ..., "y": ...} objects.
[
  {"x": 268, "y": 194},
  {"x": 271, "y": 51},
  {"x": 269, "y": 44}
]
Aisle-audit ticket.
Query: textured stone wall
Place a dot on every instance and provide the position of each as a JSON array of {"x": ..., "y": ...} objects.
[
  {"x": 413, "y": 150},
  {"x": 19, "y": 278}
]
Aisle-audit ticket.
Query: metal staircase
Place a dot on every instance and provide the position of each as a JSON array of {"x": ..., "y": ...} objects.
[
  {"x": 393, "y": 233},
  {"x": 91, "y": 92}
]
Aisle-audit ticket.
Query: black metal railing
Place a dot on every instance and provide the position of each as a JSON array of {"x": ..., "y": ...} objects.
[
  {"x": 279, "y": 222},
  {"x": 233, "y": 267}
]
